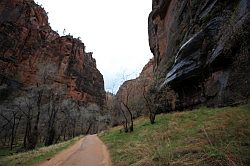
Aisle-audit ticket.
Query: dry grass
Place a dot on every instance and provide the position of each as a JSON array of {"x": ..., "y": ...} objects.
[
  {"x": 201, "y": 137},
  {"x": 35, "y": 156}
]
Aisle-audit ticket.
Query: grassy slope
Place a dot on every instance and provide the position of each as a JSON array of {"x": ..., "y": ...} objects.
[
  {"x": 200, "y": 137},
  {"x": 36, "y": 156}
]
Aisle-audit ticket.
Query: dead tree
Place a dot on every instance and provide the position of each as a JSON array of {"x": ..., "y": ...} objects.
[
  {"x": 125, "y": 106},
  {"x": 131, "y": 127},
  {"x": 26, "y": 107},
  {"x": 148, "y": 93},
  {"x": 125, "y": 124},
  {"x": 13, "y": 120},
  {"x": 53, "y": 110}
]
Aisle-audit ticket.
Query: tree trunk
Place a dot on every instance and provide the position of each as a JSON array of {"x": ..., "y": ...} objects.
[
  {"x": 125, "y": 126},
  {"x": 13, "y": 131},
  {"x": 131, "y": 127},
  {"x": 87, "y": 132},
  {"x": 35, "y": 132},
  {"x": 25, "y": 135},
  {"x": 51, "y": 128},
  {"x": 50, "y": 138},
  {"x": 152, "y": 118}
]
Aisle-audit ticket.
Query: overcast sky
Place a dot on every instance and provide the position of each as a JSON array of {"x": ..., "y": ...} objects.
[{"x": 114, "y": 30}]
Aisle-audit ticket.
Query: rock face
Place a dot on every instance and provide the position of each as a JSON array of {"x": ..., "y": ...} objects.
[
  {"x": 202, "y": 49},
  {"x": 131, "y": 91},
  {"x": 30, "y": 50}
]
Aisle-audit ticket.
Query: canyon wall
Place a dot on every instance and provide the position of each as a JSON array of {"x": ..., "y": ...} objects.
[
  {"x": 201, "y": 50},
  {"x": 31, "y": 54},
  {"x": 132, "y": 92}
]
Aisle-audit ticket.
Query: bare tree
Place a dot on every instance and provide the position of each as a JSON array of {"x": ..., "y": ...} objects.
[
  {"x": 25, "y": 106},
  {"x": 126, "y": 106},
  {"x": 52, "y": 111},
  {"x": 148, "y": 92},
  {"x": 124, "y": 123},
  {"x": 13, "y": 118}
]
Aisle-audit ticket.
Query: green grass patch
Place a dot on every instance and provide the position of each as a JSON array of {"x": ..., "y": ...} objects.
[
  {"x": 203, "y": 136},
  {"x": 37, "y": 155}
]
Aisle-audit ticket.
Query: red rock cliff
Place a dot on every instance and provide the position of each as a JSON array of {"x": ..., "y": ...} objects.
[{"x": 28, "y": 46}]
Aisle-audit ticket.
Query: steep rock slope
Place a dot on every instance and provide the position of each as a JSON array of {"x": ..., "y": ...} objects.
[
  {"x": 201, "y": 50},
  {"x": 30, "y": 50}
]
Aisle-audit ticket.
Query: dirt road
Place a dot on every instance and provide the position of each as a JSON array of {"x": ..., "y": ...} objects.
[{"x": 89, "y": 151}]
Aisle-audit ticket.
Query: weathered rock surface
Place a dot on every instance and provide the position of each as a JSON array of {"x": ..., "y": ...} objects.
[
  {"x": 201, "y": 49},
  {"x": 30, "y": 49}
]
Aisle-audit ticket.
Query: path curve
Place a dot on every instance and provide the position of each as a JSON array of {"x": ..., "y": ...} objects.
[{"x": 89, "y": 151}]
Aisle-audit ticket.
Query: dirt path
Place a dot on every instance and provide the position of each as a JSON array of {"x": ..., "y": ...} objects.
[{"x": 89, "y": 151}]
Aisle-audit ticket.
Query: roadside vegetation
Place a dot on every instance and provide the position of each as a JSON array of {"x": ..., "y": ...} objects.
[
  {"x": 35, "y": 156},
  {"x": 203, "y": 136}
]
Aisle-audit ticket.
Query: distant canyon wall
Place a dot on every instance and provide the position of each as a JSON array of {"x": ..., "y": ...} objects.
[
  {"x": 132, "y": 92},
  {"x": 201, "y": 50}
]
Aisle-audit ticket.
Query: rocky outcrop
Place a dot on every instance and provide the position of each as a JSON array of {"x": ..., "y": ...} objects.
[
  {"x": 31, "y": 53},
  {"x": 202, "y": 49}
]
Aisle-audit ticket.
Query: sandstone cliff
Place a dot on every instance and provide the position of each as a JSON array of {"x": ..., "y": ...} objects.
[
  {"x": 30, "y": 49},
  {"x": 201, "y": 50}
]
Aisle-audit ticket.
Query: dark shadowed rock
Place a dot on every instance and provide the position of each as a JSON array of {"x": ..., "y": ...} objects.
[{"x": 202, "y": 49}]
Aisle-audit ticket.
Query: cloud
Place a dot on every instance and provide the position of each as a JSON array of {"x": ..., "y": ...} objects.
[{"x": 115, "y": 30}]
